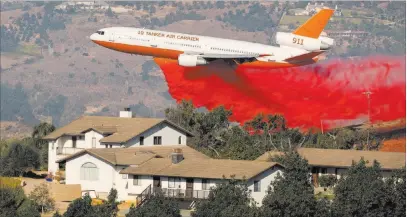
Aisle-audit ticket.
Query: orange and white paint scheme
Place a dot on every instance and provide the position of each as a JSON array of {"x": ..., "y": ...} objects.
[{"x": 300, "y": 47}]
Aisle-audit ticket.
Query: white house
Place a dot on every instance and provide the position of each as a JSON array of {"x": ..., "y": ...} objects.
[
  {"x": 178, "y": 171},
  {"x": 336, "y": 161},
  {"x": 125, "y": 131}
]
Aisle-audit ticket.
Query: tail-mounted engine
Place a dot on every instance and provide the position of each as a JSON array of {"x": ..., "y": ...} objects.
[{"x": 302, "y": 42}]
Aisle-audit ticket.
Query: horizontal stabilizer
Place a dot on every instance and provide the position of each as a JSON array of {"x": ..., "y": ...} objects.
[{"x": 304, "y": 57}]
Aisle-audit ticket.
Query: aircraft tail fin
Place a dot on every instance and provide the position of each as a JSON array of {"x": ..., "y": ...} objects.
[{"x": 314, "y": 26}]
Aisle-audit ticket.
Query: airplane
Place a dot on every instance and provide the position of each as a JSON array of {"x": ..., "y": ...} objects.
[{"x": 298, "y": 48}]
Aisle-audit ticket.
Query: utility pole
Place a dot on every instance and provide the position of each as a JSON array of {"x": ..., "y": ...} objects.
[{"x": 367, "y": 93}]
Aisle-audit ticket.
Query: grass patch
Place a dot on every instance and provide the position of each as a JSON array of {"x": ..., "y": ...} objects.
[
  {"x": 29, "y": 49},
  {"x": 9, "y": 182},
  {"x": 289, "y": 19},
  {"x": 326, "y": 195}
]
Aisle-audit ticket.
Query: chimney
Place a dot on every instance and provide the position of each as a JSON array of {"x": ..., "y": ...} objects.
[
  {"x": 177, "y": 156},
  {"x": 126, "y": 113}
]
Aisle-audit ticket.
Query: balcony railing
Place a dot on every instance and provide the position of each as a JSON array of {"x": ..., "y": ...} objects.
[
  {"x": 68, "y": 150},
  {"x": 185, "y": 193}
]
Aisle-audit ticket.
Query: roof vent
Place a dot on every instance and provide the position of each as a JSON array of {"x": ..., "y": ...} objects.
[{"x": 126, "y": 113}]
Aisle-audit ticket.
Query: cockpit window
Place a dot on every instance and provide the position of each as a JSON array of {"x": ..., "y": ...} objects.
[{"x": 100, "y": 32}]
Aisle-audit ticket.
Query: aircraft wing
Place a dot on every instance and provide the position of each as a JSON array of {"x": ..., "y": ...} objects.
[{"x": 227, "y": 56}]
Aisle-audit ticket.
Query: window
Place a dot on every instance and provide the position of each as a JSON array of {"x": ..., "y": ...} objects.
[
  {"x": 136, "y": 180},
  {"x": 323, "y": 170},
  {"x": 179, "y": 140},
  {"x": 171, "y": 182},
  {"x": 106, "y": 145},
  {"x": 141, "y": 140},
  {"x": 257, "y": 186},
  {"x": 89, "y": 172},
  {"x": 73, "y": 141},
  {"x": 157, "y": 140},
  {"x": 93, "y": 142},
  {"x": 110, "y": 146},
  {"x": 205, "y": 184},
  {"x": 124, "y": 176},
  {"x": 81, "y": 137}
]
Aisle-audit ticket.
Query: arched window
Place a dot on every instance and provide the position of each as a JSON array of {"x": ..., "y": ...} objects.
[
  {"x": 90, "y": 172},
  {"x": 179, "y": 140}
]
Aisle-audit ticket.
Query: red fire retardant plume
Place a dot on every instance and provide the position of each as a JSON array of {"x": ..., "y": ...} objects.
[{"x": 308, "y": 97}]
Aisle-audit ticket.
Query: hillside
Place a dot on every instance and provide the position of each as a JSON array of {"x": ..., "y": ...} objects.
[{"x": 51, "y": 68}]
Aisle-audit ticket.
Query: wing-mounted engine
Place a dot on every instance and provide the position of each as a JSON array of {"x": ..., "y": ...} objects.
[
  {"x": 303, "y": 42},
  {"x": 191, "y": 60}
]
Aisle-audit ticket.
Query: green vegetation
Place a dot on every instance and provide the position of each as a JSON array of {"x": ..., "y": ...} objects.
[
  {"x": 327, "y": 180},
  {"x": 363, "y": 192},
  {"x": 42, "y": 198},
  {"x": 19, "y": 160},
  {"x": 156, "y": 206},
  {"x": 281, "y": 198},
  {"x": 169, "y": 18},
  {"x": 231, "y": 198},
  {"x": 216, "y": 137},
  {"x": 82, "y": 207},
  {"x": 18, "y": 157},
  {"x": 14, "y": 104},
  {"x": 257, "y": 18},
  {"x": 14, "y": 203}
]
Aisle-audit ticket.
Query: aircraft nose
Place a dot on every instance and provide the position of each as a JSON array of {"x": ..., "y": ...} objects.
[{"x": 93, "y": 37}]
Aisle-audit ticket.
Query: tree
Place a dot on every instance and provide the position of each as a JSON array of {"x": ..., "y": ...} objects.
[
  {"x": 156, "y": 206},
  {"x": 42, "y": 198},
  {"x": 361, "y": 191},
  {"x": 42, "y": 130},
  {"x": 291, "y": 194},
  {"x": 38, "y": 133},
  {"x": 397, "y": 185},
  {"x": 109, "y": 12},
  {"x": 56, "y": 214},
  {"x": 229, "y": 198},
  {"x": 81, "y": 207},
  {"x": 19, "y": 160},
  {"x": 109, "y": 208},
  {"x": 13, "y": 202}
]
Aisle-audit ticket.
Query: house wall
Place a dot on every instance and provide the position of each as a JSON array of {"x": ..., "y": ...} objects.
[
  {"x": 52, "y": 156},
  {"x": 169, "y": 136},
  {"x": 106, "y": 174},
  {"x": 133, "y": 190},
  {"x": 265, "y": 179},
  {"x": 88, "y": 139}
]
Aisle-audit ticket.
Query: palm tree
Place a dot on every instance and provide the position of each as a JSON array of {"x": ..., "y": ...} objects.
[{"x": 42, "y": 130}]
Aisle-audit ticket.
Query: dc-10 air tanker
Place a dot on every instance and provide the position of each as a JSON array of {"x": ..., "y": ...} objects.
[{"x": 298, "y": 48}]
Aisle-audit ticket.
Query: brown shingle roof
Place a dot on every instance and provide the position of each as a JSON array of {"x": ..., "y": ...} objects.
[
  {"x": 137, "y": 155},
  {"x": 201, "y": 168},
  {"x": 343, "y": 158},
  {"x": 123, "y": 129}
]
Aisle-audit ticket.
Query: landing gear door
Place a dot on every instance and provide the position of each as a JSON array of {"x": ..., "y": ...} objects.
[{"x": 111, "y": 37}]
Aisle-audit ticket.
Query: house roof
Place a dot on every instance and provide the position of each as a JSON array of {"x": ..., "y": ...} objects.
[
  {"x": 201, "y": 168},
  {"x": 136, "y": 156},
  {"x": 122, "y": 129},
  {"x": 343, "y": 158}
]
